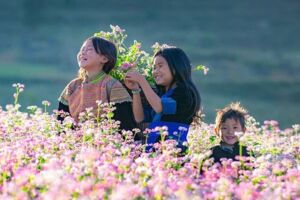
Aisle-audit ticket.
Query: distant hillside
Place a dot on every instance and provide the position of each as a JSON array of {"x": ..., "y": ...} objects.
[
  {"x": 251, "y": 47},
  {"x": 249, "y": 36}
]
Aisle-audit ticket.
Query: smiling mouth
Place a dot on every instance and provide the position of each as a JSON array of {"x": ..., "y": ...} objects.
[
  {"x": 230, "y": 137},
  {"x": 82, "y": 59},
  {"x": 157, "y": 77}
]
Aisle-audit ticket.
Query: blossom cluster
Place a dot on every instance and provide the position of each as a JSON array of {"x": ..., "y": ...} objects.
[
  {"x": 132, "y": 57},
  {"x": 43, "y": 158}
]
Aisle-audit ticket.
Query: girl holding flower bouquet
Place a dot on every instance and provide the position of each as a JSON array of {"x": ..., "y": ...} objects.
[
  {"x": 177, "y": 102},
  {"x": 96, "y": 58}
]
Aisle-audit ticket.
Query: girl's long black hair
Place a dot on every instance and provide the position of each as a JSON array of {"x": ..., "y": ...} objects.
[{"x": 181, "y": 70}]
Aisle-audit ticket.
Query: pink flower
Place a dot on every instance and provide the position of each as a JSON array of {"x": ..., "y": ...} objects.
[
  {"x": 46, "y": 103},
  {"x": 246, "y": 191},
  {"x": 127, "y": 66},
  {"x": 126, "y": 191},
  {"x": 117, "y": 29}
]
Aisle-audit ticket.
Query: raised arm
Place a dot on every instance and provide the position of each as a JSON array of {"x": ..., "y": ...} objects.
[
  {"x": 153, "y": 99},
  {"x": 137, "y": 107}
]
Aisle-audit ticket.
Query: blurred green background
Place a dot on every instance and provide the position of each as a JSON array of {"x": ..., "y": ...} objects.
[{"x": 251, "y": 47}]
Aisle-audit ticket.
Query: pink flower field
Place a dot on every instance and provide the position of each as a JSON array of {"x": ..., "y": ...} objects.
[{"x": 42, "y": 158}]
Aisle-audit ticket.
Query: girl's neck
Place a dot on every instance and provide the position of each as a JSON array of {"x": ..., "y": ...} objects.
[
  {"x": 167, "y": 88},
  {"x": 92, "y": 74}
]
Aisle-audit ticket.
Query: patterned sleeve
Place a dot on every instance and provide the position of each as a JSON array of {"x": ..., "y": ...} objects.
[
  {"x": 118, "y": 93},
  {"x": 69, "y": 89},
  {"x": 63, "y": 98}
]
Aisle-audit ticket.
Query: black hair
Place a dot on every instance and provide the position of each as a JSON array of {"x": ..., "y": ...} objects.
[
  {"x": 181, "y": 70},
  {"x": 233, "y": 111},
  {"x": 106, "y": 48}
]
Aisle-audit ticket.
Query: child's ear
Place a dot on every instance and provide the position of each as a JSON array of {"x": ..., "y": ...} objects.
[
  {"x": 216, "y": 131},
  {"x": 104, "y": 59}
]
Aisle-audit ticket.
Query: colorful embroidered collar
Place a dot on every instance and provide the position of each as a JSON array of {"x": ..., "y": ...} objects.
[{"x": 97, "y": 78}]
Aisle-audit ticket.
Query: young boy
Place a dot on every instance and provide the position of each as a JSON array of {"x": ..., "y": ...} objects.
[{"x": 230, "y": 121}]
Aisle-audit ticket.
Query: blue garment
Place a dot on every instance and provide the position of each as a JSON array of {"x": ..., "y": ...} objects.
[
  {"x": 176, "y": 131},
  {"x": 168, "y": 106}
]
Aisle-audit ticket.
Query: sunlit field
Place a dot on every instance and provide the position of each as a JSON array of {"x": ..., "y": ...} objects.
[{"x": 42, "y": 158}]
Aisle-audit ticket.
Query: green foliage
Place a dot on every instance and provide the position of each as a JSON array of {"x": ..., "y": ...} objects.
[
  {"x": 41, "y": 162},
  {"x": 129, "y": 58},
  {"x": 132, "y": 57}
]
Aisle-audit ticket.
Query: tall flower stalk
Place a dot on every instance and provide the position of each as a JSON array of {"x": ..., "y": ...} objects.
[{"x": 19, "y": 88}]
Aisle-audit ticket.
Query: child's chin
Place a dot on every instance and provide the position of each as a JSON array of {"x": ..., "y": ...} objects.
[
  {"x": 231, "y": 142},
  {"x": 83, "y": 67}
]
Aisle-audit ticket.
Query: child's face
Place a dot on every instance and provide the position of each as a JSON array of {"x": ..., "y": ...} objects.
[
  {"x": 161, "y": 72},
  {"x": 88, "y": 58},
  {"x": 228, "y": 129}
]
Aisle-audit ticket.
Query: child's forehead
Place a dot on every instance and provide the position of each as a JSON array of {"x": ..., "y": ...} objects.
[
  {"x": 159, "y": 59},
  {"x": 231, "y": 120},
  {"x": 88, "y": 42}
]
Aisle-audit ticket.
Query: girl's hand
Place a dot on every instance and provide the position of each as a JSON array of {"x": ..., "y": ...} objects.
[
  {"x": 131, "y": 84},
  {"x": 134, "y": 76}
]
